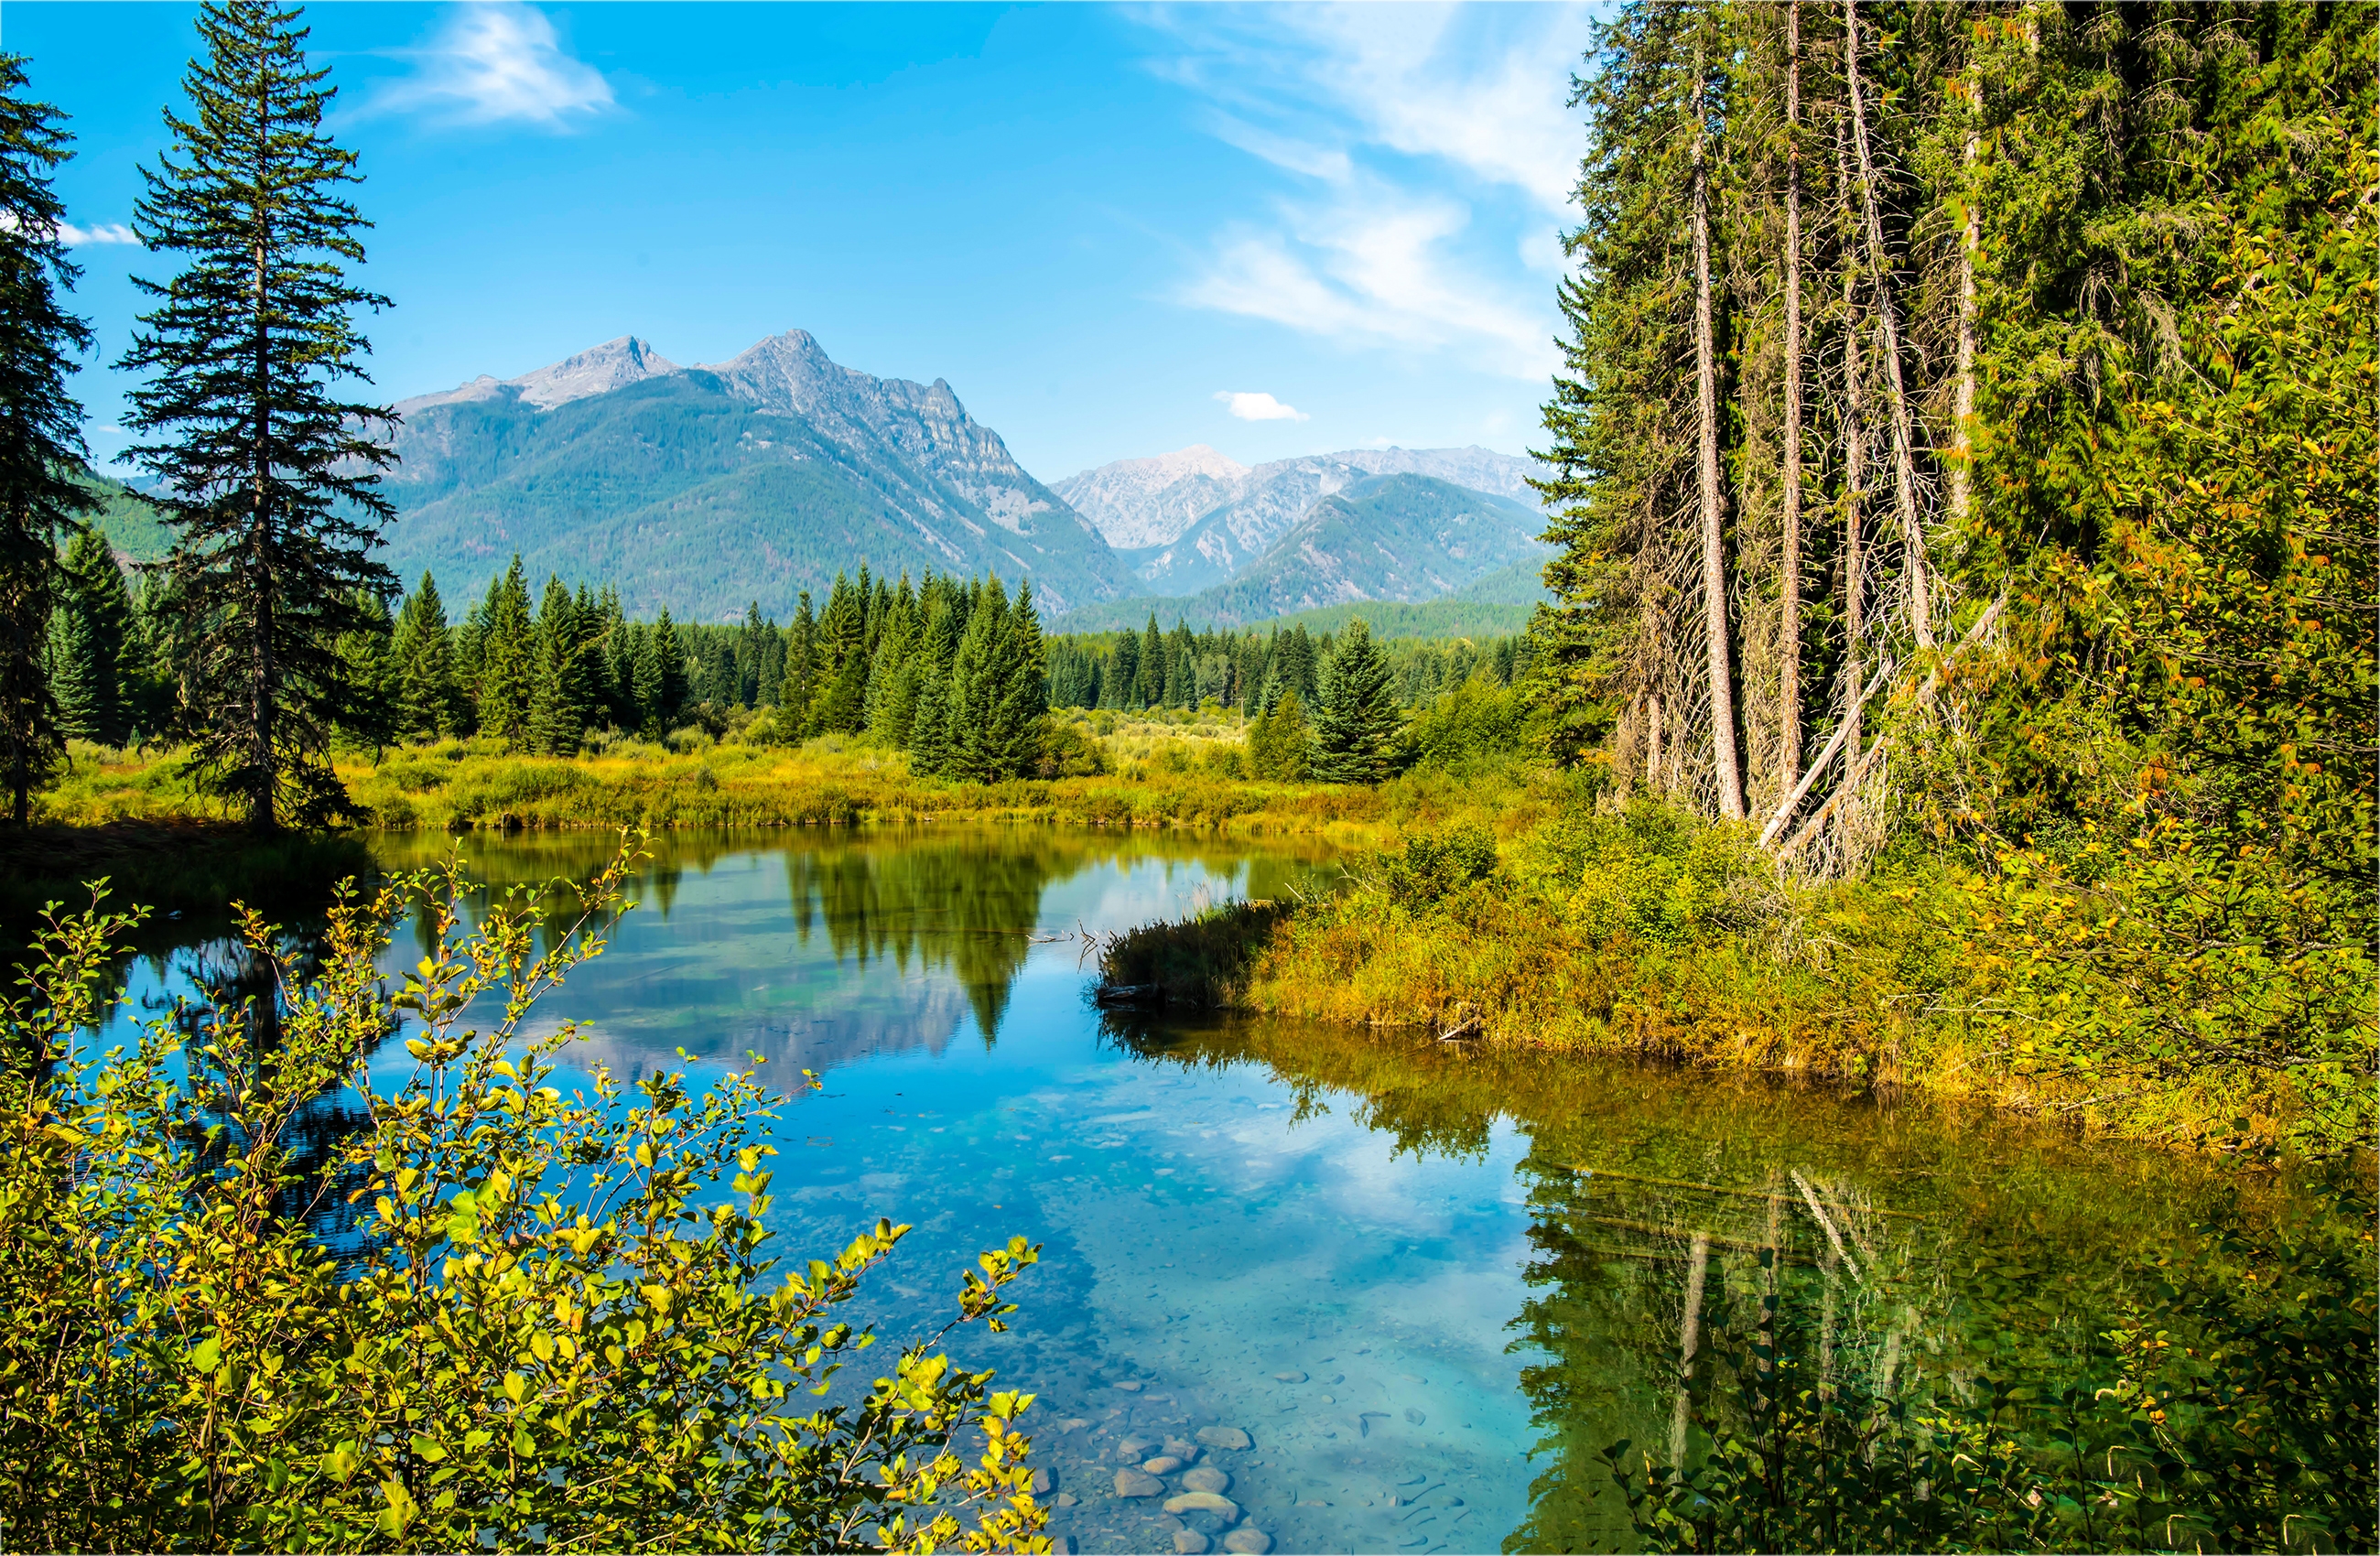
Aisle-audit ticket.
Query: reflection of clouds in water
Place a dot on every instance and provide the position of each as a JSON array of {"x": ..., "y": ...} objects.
[{"x": 930, "y": 1014}]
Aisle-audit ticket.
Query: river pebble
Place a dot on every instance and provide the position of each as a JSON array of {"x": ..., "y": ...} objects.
[
  {"x": 1134, "y": 1449},
  {"x": 1137, "y": 1483},
  {"x": 1248, "y": 1542},
  {"x": 1189, "y": 1543},
  {"x": 1181, "y": 1449},
  {"x": 1206, "y": 1479},
  {"x": 1164, "y": 1463},
  {"x": 1290, "y": 1377},
  {"x": 1204, "y": 1502},
  {"x": 1040, "y": 1481},
  {"x": 1225, "y": 1437}
]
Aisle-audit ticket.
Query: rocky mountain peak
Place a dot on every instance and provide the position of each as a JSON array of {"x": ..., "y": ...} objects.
[{"x": 596, "y": 370}]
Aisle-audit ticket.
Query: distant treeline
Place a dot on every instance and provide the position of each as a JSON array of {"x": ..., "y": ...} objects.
[{"x": 952, "y": 670}]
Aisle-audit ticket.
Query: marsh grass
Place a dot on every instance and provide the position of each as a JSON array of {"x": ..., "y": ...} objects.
[
  {"x": 1576, "y": 928},
  {"x": 1175, "y": 772}
]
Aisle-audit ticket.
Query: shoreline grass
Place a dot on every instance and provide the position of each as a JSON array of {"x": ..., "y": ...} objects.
[
  {"x": 1180, "y": 777},
  {"x": 1646, "y": 934}
]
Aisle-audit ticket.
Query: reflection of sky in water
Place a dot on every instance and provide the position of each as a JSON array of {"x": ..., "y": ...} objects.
[{"x": 1340, "y": 1243}]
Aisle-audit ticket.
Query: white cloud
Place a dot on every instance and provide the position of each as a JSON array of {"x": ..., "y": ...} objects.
[
  {"x": 1253, "y": 406},
  {"x": 1445, "y": 152},
  {"x": 1375, "y": 270},
  {"x": 497, "y": 63},
  {"x": 104, "y": 232},
  {"x": 74, "y": 237}
]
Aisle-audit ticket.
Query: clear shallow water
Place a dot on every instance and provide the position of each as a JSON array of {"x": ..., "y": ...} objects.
[{"x": 1421, "y": 1282}]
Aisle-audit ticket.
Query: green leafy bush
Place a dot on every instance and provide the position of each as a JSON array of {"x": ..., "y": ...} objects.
[
  {"x": 466, "y": 1312},
  {"x": 1436, "y": 865}
]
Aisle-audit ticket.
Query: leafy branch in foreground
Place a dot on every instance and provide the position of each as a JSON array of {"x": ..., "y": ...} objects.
[{"x": 534, "y": 1321}]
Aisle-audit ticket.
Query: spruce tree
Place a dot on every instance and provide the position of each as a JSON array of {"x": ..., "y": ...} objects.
[
  {"x": 619, "y": 672},
  {"x": 800, "y": 691},
  {"x": 562, "y": 699},
  {"x": 1117, "y": 692},
  {"x": 93, "y": 643},
  {"x": 645, "y": 680},
  {"x": 930, "y": 726},
  {"x": 1281, "y": 743},
  {"x": 978, "y": 686},
  {"x": 1014, "y": 742},
  {"x": 267, "y": 475},
  {"x": 842, "y": 637},
  {"x": 1153, "y": 666},
  {"x": 1355, "y": 724},
  {"x": 40, "y": 426},
  {"x": 669, "y": 692},
  {"x": 428, "y": 699},
  {"x": 507, "y": 657},
  {"x": 368, "y": 710}
]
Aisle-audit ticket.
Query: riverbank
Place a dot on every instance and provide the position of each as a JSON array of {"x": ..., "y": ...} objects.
[
  {"x": 1648, "y": 933},
  {"x": 1157, "y": 776}
]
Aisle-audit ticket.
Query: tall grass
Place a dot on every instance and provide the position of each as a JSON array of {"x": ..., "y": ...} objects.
[
  {"x": 1179, "y": 773},
  {"x": 1643, "y": 933}
]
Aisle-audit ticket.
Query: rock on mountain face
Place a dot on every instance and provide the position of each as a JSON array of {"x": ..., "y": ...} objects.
[
  {"x": 1388, "y": 536},
  {"x": 1190, "y": 520},
  {"x": 703, "y": 488},
  {"x": 1138, "y": 503}
]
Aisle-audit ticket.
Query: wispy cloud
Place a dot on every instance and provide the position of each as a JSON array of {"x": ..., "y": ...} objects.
[
  {"x": 497, "y": 63},
  {"x": 103, "y": 232},
  {"x": 1256, "y": 406},
  {"x": 1433, "y": 155},
  {"x": 74, "y": 237}
]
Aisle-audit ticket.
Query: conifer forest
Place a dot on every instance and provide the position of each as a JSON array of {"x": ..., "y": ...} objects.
[{"x": 1850, "y": 1021}]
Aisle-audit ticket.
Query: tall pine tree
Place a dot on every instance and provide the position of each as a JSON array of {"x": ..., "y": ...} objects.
[
  {"x": 562, "y": 698},
  {"x": 268, "y": 475},
  {"x": 93, "y": 643},
  {"x": 41, "y": 435},
  {"x": 429, "y": 701},
  {"x": 1356, "y": 726},
  {"x": 507, "y": 657}
]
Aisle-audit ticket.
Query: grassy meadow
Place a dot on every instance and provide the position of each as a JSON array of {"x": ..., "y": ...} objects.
[{"x": 1177, "y": 769}]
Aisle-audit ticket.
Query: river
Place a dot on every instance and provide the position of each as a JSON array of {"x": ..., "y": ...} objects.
[{"x": 1429, "y": 1286}]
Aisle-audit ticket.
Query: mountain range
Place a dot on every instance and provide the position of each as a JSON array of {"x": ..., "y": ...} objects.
[{"x": 703, "y": 488}]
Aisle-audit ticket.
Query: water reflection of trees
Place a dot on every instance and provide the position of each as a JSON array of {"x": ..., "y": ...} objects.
[
  {"x": 881, "y": 907},
  {"x": 1894, "y": 1253},
  {"x": 224, "y": 1001}
]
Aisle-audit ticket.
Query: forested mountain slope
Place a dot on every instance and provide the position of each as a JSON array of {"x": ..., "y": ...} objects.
[{"x": 702, "y": 489}]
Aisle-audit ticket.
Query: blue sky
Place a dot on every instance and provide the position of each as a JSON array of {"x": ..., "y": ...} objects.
[{"x": 1115, "y": 231}]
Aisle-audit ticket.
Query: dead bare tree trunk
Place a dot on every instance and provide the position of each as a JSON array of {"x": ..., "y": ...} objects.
[
  {"x": 1715, "y": 633},
  {"x": 1653, "y": 743},
  {"x": 1963, "y": 399},
  {"x": 1855, "y": 494},
  {"x": 1904, "y": 457},
  {"x": 1790, "y": 606}
]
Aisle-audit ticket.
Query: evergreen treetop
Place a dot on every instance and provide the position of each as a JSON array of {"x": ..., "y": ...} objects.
[{"x": 266, "y": 471}]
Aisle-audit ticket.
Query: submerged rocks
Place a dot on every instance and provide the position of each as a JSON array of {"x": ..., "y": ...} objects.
[
  {"x": 1137, "y": 1483},
  {"x": 1289, "y": 1377},
  {"x": 1225, "y": 1437},
  {"x": 1204, "y": 1502},
  {"x": 1041, "y": 1482},
  {"x": 1181, "y": 1449},
  {"x": 1132, "y": 1450},
  {"x": 1164, "y": 1463},
  {"x": 1247, "y": 1542},
  {"x": 1206, "y": 1479},
  {"x": 1189, "y": 1543}
]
